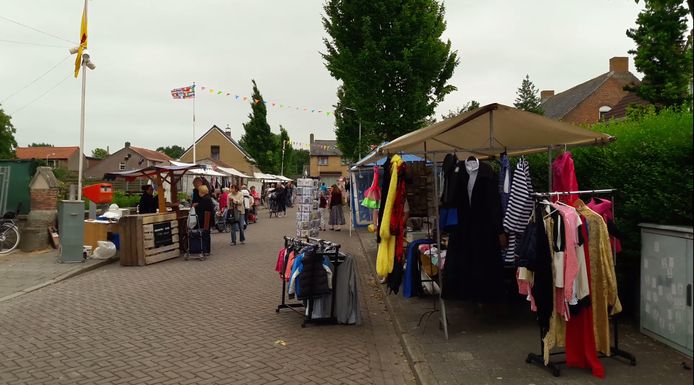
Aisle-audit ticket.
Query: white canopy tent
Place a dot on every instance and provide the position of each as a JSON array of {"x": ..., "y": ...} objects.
[
  {"x": 233, "y": 172},
  {"x": 486, "y": 132},
  {"x": 265, "y": 177},
  {"x": 198, "y": 171}
]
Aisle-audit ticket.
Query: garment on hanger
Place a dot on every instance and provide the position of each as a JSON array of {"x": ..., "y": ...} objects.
[
  {"x": 412, "y": 283},
  {"x": 505, "y": 178},
  {"x": 346, "y": 295},
  {"x": 397, "y": 229},
  {"x": 386, "y": 249},
  {"x": 604, "y": 208},
  {"x": 385, "y": 184},
  {"x": 564, "y": 177},
  {"x": 603, "y": 286},
  {"x": 520, "y": 206},
  {"x": 451, "y": 175},
  {"x": 474, "y": 270},
  {"x": 580, "y": 335},
  {"x": 372, "y": 195}
]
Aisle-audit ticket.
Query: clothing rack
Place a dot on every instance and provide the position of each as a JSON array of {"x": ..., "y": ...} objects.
[
  {"x": 335, "y": 257},
  {"x": 553, "y": 366}
]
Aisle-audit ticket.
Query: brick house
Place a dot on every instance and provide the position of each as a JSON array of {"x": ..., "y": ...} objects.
[
  {"x": 326, "y": 161},
  {"x": 591, "y": 101},
  {"x": 127, "y": 158},
  {"x": 55, "y": 157},
  {"x": 218, "y": 146}
]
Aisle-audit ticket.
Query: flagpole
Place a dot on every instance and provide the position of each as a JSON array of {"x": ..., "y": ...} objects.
[
  {"x": 194, "y": 97},
  {"x": 84, "y": 92}
]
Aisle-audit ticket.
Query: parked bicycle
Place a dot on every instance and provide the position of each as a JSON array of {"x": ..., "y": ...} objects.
[{"x": 9, "y": 232}]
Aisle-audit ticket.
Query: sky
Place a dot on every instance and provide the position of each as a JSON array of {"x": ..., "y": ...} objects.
[{"x": 144, "y": 48}]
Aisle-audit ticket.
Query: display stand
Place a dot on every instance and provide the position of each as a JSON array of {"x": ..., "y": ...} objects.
[
  {"x": 326, "y": 248},
  {"x": 554, "y": 366}
]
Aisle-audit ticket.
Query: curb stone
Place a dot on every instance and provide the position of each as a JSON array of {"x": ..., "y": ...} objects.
[
  {"x": 422, "y": 371},
  {"x": 62, "y": 277}
]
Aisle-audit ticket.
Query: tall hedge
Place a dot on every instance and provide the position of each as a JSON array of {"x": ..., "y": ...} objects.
[{"x": 651, "y": 166}]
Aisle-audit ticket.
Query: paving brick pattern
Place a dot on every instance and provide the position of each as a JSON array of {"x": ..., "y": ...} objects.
[{"x": 192, "y": 322}]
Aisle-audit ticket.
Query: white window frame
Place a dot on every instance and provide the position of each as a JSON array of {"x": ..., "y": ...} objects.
[
  {"x": 121, "y": 166},
  {"x": 323, "y": 160}
]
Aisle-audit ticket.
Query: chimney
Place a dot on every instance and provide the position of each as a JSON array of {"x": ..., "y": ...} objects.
[
  {"x": 311, "y": 139},
  {"x": 546, "y": 94},
  {"x": 127, "y": 144},
  {"x": 227, "y": 131},
  {"x": 619, "y": 64}
]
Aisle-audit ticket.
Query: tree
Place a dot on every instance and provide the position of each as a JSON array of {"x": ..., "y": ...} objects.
[
  {"x": 661, "y": 52},
  {"x": 174, "y": 152},
  {"x": 99, "y": 153},
  {"x": 298, "y": 160},
  {"x": 392, "y": 65},
  {"x": 528, "y": 99},
  {"x": 40, "y": 145},
  {"x": 469, "y": 106},
  {"x": 286, "y": 150},
  {"x": 258, "y": 139},
  {"x": 7, "y": 141}
]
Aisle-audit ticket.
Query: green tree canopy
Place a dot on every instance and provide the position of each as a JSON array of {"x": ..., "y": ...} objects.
[
  {"x": 661, "y": 52},
  {"x": 40, "y": 145},
  {"x": 7, "y": 141},
  {"x": 99, "y": 153},
  {"x": 258, "y": 139},
  {"x": 392, "y": 63},
  {"x": 174, "y": 152},
  {"x": 527, "y": 98}
]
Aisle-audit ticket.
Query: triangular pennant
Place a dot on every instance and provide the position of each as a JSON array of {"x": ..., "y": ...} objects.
[
  {"x": 273, "y": 104},
  {"x": 236, "y": 97},
  {"x": 244, "y": 98},
  {"x": 202, "y": 88},
  {"x": 219, "y": 92},
  {"x": 211, "y": 90}
]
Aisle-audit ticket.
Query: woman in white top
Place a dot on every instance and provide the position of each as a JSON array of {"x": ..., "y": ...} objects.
[{"x": 237, "y": 209}]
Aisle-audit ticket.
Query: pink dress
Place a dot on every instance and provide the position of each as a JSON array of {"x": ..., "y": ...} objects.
[
  {"x": 604, "y": 208},
  {"x": 372, "y": 195},
  {"x": 564, "y": 177}
]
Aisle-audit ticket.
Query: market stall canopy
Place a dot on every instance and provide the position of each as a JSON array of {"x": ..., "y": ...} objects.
[
  {"x": 198, "y": 169},
  {"x": 265, "y": 177},
  {"x": 493, "y": 129},
  {"x": 148, "y": 172},
  {"x": 233, "y": 171},
  {"x": 282, "y": 178},
  {"x": 374, "y": 158}
]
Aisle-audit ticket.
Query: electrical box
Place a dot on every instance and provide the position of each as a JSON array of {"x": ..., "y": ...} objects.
[
  {"x": 71, "y": 228},
  {"x": 666, "y": 285},
  {"x": 99, "y": 192}
]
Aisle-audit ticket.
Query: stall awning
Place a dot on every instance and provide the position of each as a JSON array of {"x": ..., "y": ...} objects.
[
  {"x": 265, "y": 177},
  {"x": 374, "y": 158},
  {"x": 233, "y": 171},
  {"x": 147, "y": 172},
  {"x": 493, "y": 129},
  {"x": 198, "y": 169}
]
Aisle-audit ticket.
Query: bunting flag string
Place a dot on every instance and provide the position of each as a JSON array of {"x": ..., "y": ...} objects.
[{"x": 237, "y": 97}]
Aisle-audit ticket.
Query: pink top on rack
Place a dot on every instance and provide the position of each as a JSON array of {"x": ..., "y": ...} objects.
[
  {"x": 570, "y": 220},
  {"x": 604, "y": 208},
  {"x": 564, "y": 178}
]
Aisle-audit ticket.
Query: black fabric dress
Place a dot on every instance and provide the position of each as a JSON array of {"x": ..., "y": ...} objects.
[
  {"x": 474, "y": 269},
  {"x": 385, "y": 183}
]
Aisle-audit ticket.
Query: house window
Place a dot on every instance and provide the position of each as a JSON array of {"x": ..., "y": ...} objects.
[
  {"x": 344, "y": 161},
  {"x": 214, "y": 152},
  {"x": 52, "y": 163},
  {"x": 322, "y": 160},
  {"x": 602, "y": 111},
  {"x": 121, "y": 166}
]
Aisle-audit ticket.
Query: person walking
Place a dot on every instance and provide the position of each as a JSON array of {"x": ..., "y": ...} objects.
[
  {"x": 148, "y": 202},
  {"x": 281, "y": 196},
  {"x": 236, "y": 212},
  {"x": 204, "y": 211},
  {"x": 323, "y": 208},
  {"x": 337, "y": 217}
]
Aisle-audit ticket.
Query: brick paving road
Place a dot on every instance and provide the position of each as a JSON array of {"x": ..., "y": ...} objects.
[{"x": 191, "y": 322}]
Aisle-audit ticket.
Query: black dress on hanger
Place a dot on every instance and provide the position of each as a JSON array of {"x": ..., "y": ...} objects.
[{"x": 473, "y": 269}]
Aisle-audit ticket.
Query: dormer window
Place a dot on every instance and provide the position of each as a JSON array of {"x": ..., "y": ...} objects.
[{"x": 602, "y": 111}]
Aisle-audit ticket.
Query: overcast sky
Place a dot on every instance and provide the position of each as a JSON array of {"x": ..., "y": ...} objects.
[{"x": 144, "y": 48}]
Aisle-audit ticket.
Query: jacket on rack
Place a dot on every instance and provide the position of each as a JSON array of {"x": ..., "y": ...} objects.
[
  {"x": 474, "y": 270},
  {"x": 564, "y": 177},
  {"x": 346, "y": 296},
  {"x": 386, "y": 249},
  {"x": 604, "y": 208},
  {"x": 311, "y": 275}
]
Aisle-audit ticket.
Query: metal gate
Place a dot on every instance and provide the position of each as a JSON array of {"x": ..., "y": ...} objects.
[{"x": 4, "y": 187}]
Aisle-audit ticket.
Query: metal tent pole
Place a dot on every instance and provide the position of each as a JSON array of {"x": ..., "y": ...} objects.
[
  {"x": 549, "y": 168},
  {"x": 444, "y": 318}
]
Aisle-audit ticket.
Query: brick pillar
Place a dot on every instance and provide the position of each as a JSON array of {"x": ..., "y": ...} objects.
[{"x": 44, "y": 199}]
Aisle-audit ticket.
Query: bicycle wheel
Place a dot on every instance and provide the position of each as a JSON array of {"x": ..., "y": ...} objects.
[{"x": 9, "y": 238}]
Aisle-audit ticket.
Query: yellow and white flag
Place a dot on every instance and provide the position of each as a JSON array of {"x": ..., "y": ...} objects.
[{"x": 83, "y": 40}]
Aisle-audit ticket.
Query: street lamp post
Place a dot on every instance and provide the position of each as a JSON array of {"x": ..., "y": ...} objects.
[{"x": 359, "y": 144}]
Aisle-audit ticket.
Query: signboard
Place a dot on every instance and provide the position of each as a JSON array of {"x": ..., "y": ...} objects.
[{"x": 162, "y": 234}]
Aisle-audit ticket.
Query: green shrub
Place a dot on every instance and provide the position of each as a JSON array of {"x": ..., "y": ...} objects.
[
  {"x": 123, "y": 200},
  {"x": 650, "y": 164}
]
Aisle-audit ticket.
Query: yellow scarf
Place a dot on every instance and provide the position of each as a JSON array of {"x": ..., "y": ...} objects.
[{"x": 385, "y": 259}]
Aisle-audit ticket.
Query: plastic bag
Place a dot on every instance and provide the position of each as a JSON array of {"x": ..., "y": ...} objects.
[
  {"x": 105, "y": 250},
  {"x": 192, "y": 219}
]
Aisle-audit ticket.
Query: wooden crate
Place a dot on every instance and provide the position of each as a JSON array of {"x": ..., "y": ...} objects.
[{"x": 145, "y": 238}]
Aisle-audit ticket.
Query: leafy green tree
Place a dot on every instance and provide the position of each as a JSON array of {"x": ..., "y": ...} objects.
[
  {"x": 298, "y": 160},
  {"x": 392, "y": 64},
  {"x": 527, "y": 97},
  {"x": 285, "y": 146},
  {"x": 7, "y": 141},
  {"x": 661, "y": 52},
  {"x": 469, "y": 106},
  {"x": 258, "y": 138},
  {"x": 99, "y": 153},
  {"x": 40, "y": 145},
  {"x": 174, "y": 152}
]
